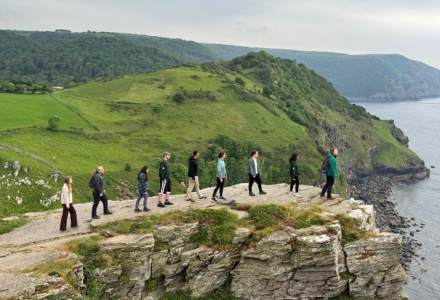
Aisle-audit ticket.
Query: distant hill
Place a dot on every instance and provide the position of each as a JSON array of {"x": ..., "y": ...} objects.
[
  {"x": 388, "y": 76},
  {"x": 62, "y": 57}
]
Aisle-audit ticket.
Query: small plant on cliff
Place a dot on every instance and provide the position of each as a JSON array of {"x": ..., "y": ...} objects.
[
  {"x": 350, "y": 231},
  {"x": 267, "y": 215}
]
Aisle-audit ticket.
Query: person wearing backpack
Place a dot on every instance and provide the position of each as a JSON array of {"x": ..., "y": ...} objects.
[
  {"x": 193, "y": 178},
  {"x": 222, "y": 176},
  {"x": 142, "y": 189},
  {"x": 294, "y": 173},
  {"x": 331, "y": 174},
  {"x": 66, "y": 201},
  {"x": 254, "y": 173},
  {"x": 164, "y": 181},
  {"x": 97, "y": 181}
]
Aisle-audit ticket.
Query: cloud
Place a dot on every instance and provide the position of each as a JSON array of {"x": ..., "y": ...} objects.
[{"x": 394, "y": 26}]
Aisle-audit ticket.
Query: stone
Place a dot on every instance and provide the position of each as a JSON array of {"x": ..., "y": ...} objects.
[
  {"x": 11, "y": 218},
  {"x": 241, "y": 235},
  {"x": 175, "y": 235}
]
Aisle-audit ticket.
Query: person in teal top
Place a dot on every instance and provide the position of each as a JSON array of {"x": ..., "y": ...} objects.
[
  {"x": 294, "y": 173},
  {"x": 331, "y": 174},
  {"x": 222, "y": 176}
]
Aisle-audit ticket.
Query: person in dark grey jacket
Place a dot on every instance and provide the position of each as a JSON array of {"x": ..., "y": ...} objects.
[
  {"x": 99, "y": 193},
  {"x": 142, "y": 189},
  {"x": 254, "y": 173}
]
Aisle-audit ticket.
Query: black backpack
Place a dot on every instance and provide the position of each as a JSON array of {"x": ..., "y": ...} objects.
[{"x": 92, "y": 181}]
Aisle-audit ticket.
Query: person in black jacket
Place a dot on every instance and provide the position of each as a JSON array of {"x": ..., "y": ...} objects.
[
  {"x": 193, "y": 178},
  {"x": 99, "y": 193}
]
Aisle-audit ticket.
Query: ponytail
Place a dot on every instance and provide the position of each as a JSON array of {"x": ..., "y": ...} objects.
[{"x": 253, "y": 153}]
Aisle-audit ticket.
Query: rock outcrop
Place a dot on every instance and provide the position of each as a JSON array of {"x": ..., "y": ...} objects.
[{"x": 309, "y": 263}]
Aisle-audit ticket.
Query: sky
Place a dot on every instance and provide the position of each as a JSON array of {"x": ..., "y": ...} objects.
[{"x": 407, "y": 27}]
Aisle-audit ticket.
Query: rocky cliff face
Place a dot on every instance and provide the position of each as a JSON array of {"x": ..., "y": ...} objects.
[{"x": 309, "y": 263}]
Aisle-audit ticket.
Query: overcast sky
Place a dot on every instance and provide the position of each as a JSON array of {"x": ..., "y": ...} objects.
[{"x": 407, "y": 27}]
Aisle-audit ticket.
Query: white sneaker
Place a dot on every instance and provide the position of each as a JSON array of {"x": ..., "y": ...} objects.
[{"x": 297, "y": 195}]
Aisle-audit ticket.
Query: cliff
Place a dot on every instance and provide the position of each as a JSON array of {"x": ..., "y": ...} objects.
[{"x": 314, "y": 249}]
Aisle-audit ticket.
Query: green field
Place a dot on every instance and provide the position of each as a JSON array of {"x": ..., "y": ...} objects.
[
  {"x": 25, "y": 110},
  {"x": 138, "y": 119}
]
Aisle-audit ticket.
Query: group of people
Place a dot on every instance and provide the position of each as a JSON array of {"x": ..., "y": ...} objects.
[{"x": 254, "y": 172}]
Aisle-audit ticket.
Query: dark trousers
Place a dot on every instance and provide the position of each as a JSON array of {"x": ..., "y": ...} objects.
[
  {"x": 219, "y": 186},
  {"x": 73, "y": 220},
  {"x": 296, "y": 183},
  {"x": 257, "y": 179},
  {"x": 328, "y": 187},
  {"x": 96, "y": 199}
]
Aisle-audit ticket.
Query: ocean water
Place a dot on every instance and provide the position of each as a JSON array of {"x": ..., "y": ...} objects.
[{"x": 420, "y": 121}]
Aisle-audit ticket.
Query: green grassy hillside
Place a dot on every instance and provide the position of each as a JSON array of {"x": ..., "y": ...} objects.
[
  {"x": 276, "y": 106},
  {"x": 373, "y": 76},
  {"x": 35, "y": 110}
]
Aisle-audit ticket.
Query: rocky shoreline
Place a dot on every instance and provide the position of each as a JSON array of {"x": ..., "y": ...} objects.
[{"x": 374, "y": 189}]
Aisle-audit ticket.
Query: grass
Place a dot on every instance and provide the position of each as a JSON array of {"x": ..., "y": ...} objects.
[
  {"x": 7, "y": 226},
  {"x": 221, "y": 225},
  {"x": 24, "y": 110}
]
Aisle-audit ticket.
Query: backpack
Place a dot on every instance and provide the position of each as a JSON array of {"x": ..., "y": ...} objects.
[
  {"x": 92, "y": 181},
  {"x": 324, "y": 167}
]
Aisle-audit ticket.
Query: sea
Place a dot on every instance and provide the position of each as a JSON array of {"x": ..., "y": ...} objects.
[{"x": 420, "y": 121}]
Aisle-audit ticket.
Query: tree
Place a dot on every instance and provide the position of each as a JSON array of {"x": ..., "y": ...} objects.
[
  {"x": 240, "y": 81},
  {"x": 179, "y": 97},
  {"x": 9, "y": 87},
  {"x": 54, "y": 123},
  {"x": 267, "y": 91}
]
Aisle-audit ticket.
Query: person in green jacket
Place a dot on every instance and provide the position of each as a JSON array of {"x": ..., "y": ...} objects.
[
  {"x": 164, "y": 181},
  {"x": 331, "y": 174},
  {"x": 294, "y": 173},
  {"x": 222, "y": 176}
]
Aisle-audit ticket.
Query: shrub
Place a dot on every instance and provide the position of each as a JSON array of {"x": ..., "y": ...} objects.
[
  {"x": 267, "y": 215},
  {"x": 128, "y": 167},
  {"x": 240, "y": 81},
  {"x": 54, "y": 123},
  {"x": 179, "y": 98}
]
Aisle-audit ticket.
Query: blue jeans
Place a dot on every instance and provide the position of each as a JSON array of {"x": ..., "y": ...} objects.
[{"x": 139, "y": 199}]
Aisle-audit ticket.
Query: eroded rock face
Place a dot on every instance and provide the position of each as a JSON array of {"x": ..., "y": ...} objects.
[{"x": 295, "y": 264}]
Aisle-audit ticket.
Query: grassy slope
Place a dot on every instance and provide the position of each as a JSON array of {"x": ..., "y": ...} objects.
[
  {"x": 24, "y": 110},
  {"x": 131, "y": 132}
]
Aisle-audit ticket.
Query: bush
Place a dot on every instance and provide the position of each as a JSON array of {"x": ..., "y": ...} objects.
[
  {"x": 179, "y": 98},
  {"x": 54, "y": 123},
  {"x": 128, "y": 167},
  {"x": 267, "y": 215},
  {"x": 240, "y": 81}
]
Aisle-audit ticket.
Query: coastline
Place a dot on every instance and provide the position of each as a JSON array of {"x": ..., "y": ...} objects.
[{"x": 374, "y": 189}]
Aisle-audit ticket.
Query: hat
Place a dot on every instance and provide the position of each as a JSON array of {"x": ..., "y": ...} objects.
[{"x": 166, "y": 153}]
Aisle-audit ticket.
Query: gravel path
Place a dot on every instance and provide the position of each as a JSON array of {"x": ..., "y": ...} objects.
[{"x": 45, "y": 226}]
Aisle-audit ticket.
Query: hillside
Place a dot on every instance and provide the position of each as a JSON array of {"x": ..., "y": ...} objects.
[
  {"x": 371, "y": 76},
  {"x": 255, "y": 101},
  {"x": 63, "y": 57}
]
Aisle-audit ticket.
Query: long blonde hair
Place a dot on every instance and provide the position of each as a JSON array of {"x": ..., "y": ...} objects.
[{"x": 69, "y": 185}]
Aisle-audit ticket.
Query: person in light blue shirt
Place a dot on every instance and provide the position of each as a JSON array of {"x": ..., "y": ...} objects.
[{"x": 222, "y": 176}]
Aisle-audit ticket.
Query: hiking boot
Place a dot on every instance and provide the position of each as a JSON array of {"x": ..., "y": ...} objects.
[
  {"x": 96, "y": 217},
  {"x": 331, "y": 198},
  {"x": 168, "y": 202},
  {"x": 201, "y": 198},
  {"x": 222, "y": 198},
  {"x": 108, "y": 213},
  {"x": 146, "y": 209},
  {"x": 297, "y": 195},
  {"x": 251, "y": 194},
  {"x": 263, "y": 193},
  {"x": 137, "y": 210},
  {"x": 160, "y": 204},
  {"x": 213, "y": 200},
  {"x": 190, "y": 201}
]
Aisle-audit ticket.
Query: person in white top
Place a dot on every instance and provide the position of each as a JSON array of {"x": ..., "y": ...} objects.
[{"x": 66, "y": 201}]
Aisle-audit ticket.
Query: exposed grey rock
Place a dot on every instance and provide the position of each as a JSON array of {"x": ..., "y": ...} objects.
[{"x": 241, "y": 235}]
